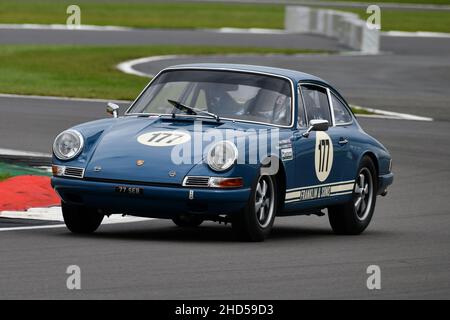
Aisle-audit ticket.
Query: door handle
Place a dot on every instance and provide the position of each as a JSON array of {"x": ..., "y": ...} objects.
[{"x": 343, "y": 141}]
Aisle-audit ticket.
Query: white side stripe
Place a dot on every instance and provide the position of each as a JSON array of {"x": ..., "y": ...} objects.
[
  {"x": 292, "y": 195},
  {"x": 342, "y": 193},
  {"x": 321, "y": 191},
  {"x": 331, "y": 195},
  {"x": 322, "y": 185},
  {"x": 343, "y": 187}
]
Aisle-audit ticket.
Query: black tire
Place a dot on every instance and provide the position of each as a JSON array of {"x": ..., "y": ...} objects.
[
  {"x": 80, "y": 219},
  {"x": 185, "y": 221},
  {"x": 351, "y": 218},
  {"x": 248, "y": 224}
]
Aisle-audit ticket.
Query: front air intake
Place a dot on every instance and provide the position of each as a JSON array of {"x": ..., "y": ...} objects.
[
  {"x": 74, "y": 172},
  {"x": 192, "y": 181}
]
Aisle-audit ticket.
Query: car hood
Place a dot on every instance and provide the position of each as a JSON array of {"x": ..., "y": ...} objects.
[{"x": 119, "y": 155}]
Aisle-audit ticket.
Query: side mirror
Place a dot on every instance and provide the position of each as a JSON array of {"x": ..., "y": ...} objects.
[
  {"x": 316, "y": 125},
  {"x": 112, "y": 109}
]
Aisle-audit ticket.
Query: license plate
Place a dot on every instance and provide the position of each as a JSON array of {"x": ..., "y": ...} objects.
[{"x": 129, "y": 190}]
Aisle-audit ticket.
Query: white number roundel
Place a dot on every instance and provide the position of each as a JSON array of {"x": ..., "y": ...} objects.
[
  {"x": 323, "y": 155},
  {"x": 163, "y": 138}
]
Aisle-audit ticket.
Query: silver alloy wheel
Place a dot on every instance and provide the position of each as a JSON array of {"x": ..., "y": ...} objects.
[
  {"x": 264, "y": 201},
  {"x": 363, "y": 194}
]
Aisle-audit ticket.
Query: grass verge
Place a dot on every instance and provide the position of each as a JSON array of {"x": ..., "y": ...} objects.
[
  {"x": 142, "y": 14},
  {"x": 8, "y": 170},
  {"x": 4, "y": 176},
  {"x": 361, "y": 110},
  {"x": 89, "y": 71},
  {"x": 400, "y": 20},
  {"x": 445, "y": 2}
]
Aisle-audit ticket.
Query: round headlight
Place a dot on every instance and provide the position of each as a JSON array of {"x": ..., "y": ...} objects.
[
  {"x": 222, "y": 156},
  {"x": 68, "y": 144}
]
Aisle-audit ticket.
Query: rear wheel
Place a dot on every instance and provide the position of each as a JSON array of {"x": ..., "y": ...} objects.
[
  {"x": 187, "y": 221},
  {"x": 355, "y": 216},
  {"x": 255, "y": 222},
  {"x": 80, "y": 219}
]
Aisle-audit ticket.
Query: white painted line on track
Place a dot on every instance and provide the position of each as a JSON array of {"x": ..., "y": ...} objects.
[
  {"x": 34, "y": 26},
  {"x": 52, "y": 226},
  {"x": 378, "y": 113},
  {"x": 418, "y": 34},
  {"x": 46, "y": 214},
  {"x": 54, "y": 214},
  {"x": 248, "y": 30},
  {"x": 127, "y": 66},
  {"x": 86, "y": 27},
  {"x": 10, "y": 152}
]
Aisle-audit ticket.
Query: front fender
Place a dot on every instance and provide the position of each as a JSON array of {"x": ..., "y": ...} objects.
[{"x": 91, "y": 132}]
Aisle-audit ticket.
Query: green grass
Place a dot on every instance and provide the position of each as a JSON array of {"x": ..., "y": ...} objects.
[
  {"x": 399, "y": 20},
  {"x": 402, "y": 1},
  {"x": 145, "y": 14},
  {"x": 89, "y": 71},
  {"x": 4, "y": 176},
  {"x": 360, "y": 110},
  {"x": 8, "y": 170}
]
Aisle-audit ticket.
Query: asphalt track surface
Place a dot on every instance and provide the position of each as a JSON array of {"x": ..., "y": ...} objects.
[
  {"x": 401, "y": 45},
  {"x": 408, "y": 237},
  {"x": 408, "y": 84},
  {"x": 164, "y": 37}
]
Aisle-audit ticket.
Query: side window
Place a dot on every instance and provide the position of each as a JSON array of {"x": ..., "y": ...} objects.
[
  {"x": 301, "y": 111},
  {"x": 341, "y": 114},
  {"x": 316, "y": 102}
]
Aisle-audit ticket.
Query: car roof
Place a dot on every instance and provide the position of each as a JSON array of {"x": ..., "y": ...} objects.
[{"x": 292, "y": 74}]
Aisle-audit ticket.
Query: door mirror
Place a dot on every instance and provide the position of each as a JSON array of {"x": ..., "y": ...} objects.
[
  {"x": 112, "y": 109},
  {"x": 316, "y": 125},
  {"x": 319, "y": 125}
]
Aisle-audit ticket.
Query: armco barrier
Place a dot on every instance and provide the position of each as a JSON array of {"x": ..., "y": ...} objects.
[{"x": 344, "y": 26}]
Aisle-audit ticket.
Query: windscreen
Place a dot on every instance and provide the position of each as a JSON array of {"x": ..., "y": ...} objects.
[{"x": 232, "y": 95}]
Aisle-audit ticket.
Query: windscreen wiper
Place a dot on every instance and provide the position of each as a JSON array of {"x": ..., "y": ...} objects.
[{"x": 191, "y": 110}]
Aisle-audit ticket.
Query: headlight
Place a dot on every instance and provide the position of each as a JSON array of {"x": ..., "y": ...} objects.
[
  {"x": 222, "y": 156},
  {"x": 68, "y": 144}
]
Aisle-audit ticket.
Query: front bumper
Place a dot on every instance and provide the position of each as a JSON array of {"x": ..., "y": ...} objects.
[
  {"x": 385, "y": 181},
  {"x": 155, "y": 201}
]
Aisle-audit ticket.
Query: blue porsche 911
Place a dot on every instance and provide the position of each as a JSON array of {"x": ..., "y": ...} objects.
[{"x": 227, "y": 143}]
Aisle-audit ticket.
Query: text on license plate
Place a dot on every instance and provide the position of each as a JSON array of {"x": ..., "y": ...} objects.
[{"x": 129, "y": 190}]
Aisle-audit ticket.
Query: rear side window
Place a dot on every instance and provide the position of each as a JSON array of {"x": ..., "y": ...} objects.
[
  {"x": 341, "y": 113},
  {"x": 316, "y": 103}
]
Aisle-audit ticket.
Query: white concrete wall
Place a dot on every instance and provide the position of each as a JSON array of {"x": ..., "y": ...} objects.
[{"x": 346, "y": 27}]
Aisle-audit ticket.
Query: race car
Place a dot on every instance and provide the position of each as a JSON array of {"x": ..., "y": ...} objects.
[{"x": 227, "y": 143}]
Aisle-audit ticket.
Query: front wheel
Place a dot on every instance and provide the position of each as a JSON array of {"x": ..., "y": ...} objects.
[
  {"x": 255, "y": 221},
  {"x": 80, "y": 219},
  {"x": 354, "y": 217}
]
